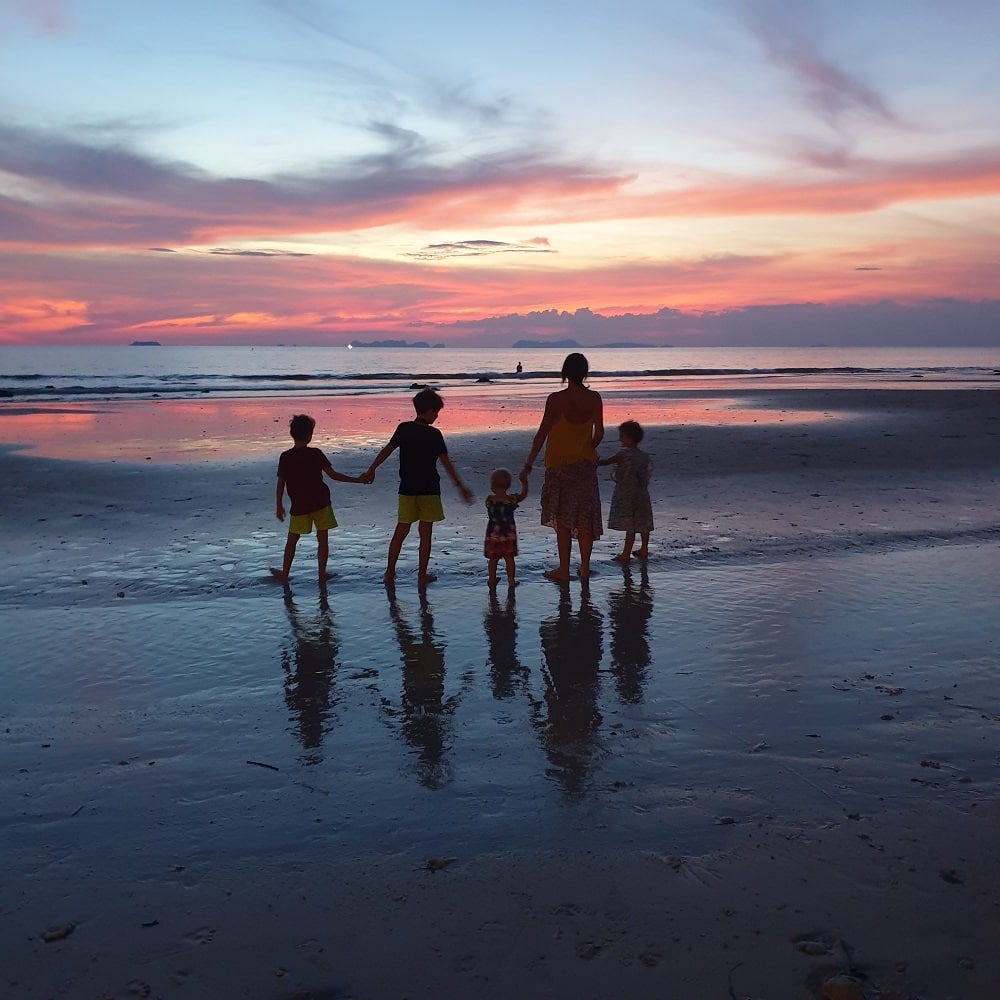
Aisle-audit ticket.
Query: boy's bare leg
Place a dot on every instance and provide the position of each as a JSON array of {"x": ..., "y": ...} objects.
[
  {"x": 491, "y": 570},
  {"x": 323, "y": 553},
  {"x": 395, "y": 547},
  {"x": 286, "y": 562},
  {"x": 509, "y": 561},
  {"x": 426, "y": 529},
  {"x": 564, "y": 542}
]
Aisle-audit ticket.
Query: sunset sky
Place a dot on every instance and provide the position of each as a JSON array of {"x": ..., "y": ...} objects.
[{"x": 312, "y": 171}]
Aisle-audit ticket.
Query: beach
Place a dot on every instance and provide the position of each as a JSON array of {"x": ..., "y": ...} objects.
[{"x": 764, "y": 763}]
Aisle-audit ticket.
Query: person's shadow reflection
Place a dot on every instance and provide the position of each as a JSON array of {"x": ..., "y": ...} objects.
[
  {"x": 569, "y": 726},
  {"x": 426, "y": 713},
  {"x": 507, "y": 673},
  {"x": 309, "y": 665},
  {"x": 630, "y": 610}
]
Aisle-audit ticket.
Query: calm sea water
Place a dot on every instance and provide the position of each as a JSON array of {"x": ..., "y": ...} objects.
[{"x": 68, "y": 373}]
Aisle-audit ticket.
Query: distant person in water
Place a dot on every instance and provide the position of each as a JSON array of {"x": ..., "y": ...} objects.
[
  {"x": 519, "y": 369},
  {"x": 631, "y": 510},
  {"x": 421, "y": 446},
  {"x": 571, "y": 428},
  {"x": 300, "y": 471},
  {"x": 501, "y": 531}
]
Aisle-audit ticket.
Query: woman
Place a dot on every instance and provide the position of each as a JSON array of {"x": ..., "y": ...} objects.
[{"x": 571, "y": 429}]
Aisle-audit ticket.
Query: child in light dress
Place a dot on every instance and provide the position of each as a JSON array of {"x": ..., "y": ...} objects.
[
  {"x": 631, "y": 510},
  {"x": 501, "y": 531}
]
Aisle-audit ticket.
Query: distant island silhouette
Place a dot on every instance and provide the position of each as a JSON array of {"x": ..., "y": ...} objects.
[
  {"x": 546, "y": 343},
  {"x": 574, "y": 345},
  {"x": 145, "y": 343},
  {"x": 391, "y": 343}
]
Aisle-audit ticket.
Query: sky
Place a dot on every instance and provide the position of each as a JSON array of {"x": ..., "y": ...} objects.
[{"x": 692, "y": 172}]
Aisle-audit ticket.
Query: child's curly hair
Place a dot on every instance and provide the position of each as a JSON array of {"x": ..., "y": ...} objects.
[{"x": 633, "y": 429}]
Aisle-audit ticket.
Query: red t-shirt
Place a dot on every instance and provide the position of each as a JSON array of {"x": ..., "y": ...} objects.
[{"x": 302, "y": 470}]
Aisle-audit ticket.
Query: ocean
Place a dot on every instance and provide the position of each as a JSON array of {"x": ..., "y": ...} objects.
[{"x": 54, "y": 374}]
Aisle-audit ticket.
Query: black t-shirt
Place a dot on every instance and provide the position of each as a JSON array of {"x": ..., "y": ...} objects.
[
  {"x": 302, "y": 470},
  {"x": 420, "y": 445}
]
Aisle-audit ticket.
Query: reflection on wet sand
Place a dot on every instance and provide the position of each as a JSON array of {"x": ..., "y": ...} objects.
[
  {"x": 569, "y": 726},
  {"x": 630, "y": 610},
  {"x": 507, "y": 673},
  {"x": 309, "y": 666},
  {"x": 426, "y": 714}
]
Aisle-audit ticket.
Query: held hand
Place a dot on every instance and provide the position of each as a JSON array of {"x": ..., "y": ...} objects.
[
  {"x": 367, "y": 478},
  {"x": 523, "y": 477}
]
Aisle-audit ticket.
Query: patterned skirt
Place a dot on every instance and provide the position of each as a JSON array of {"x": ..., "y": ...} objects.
[
  {"x": 631, "y": 509},
  {"x": 500, "y": 543},
  {"x": 571, "y": 499}
]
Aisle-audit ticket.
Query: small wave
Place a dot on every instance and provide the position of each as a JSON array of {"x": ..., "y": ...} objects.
[{"x": 42, "y": 386}]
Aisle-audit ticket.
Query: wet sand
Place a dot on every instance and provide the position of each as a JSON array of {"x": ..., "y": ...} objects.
[{"x": 766, "y": 757}]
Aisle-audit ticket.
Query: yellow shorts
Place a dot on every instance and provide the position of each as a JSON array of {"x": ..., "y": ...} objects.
[
  {"x": 302, "y": 524},
  {"x": 423, "y": 507}
]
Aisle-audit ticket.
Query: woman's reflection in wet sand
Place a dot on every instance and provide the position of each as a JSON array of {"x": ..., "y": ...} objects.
[
  {"x": 630, "y": 609},
  {"x": 426, "y": 713},
  {"x": 309, "y": 667},
  {"x": 507, "y": 673},
  {"x": 569, "y": 726}
]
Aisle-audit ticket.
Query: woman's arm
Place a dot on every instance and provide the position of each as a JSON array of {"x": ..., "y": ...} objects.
[
  {"x": 598, "y": 421},
  {"x": 548, "y": 419}
]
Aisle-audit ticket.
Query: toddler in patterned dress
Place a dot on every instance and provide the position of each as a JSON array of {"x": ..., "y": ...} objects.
[{"x": 501, "y": 531}]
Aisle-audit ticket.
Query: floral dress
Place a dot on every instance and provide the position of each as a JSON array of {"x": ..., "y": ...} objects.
[
  {"x": 501, "y": 532},
  {"x": 631, "y": 509}
]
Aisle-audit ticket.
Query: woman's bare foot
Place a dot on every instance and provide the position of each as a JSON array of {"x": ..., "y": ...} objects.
[
  {"x": 327, "y": 575},
  {"x": 279, "y": 574},
  {"x": 425, "y": 578},
  {"x": 585, "y": 574},
  {"x": 492, "y": 581},
  {"x": 389, "y": 576},
  {"x": 642, "y": 554},
  {"x": 621, "y": 557},
  {"x": 557, "y": 576},
  {"x": 512, "y": 582}
]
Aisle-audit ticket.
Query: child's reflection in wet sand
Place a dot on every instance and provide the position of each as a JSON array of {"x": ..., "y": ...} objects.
[
  {"x": 309, "y": 666},
  {"x": 630, "y": 609},
  {"x": 507, "y": 673},
  {"x": 569, "y": 729},
  {"x": 426, "y": 713}
]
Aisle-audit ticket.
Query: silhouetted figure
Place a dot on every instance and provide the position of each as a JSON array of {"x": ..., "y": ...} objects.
[
  {"x": 500, "y": 625},
  {"x": 309, "y": 666},
  {"x": 569, "y": 732},
  {"x": 571, "y": 428},
  {"x": 426, "y": 712},
  {"x": 630, "y": 610}
]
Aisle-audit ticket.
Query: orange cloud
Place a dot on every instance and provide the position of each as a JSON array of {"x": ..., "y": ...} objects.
[{"x": 41, "y": 316}]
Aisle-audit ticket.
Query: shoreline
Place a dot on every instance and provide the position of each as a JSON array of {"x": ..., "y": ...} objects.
[{"x": 770, "y": 763}]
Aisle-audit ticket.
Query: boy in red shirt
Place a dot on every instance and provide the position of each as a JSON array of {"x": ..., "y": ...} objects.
[{"x": 300, "y": 471}]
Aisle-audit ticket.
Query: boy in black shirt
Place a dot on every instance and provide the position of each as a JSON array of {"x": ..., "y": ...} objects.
[{"x": 421, "y": 446}]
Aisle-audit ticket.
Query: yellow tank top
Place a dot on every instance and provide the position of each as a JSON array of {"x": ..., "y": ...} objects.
[{"x": 568, "y": 443}]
